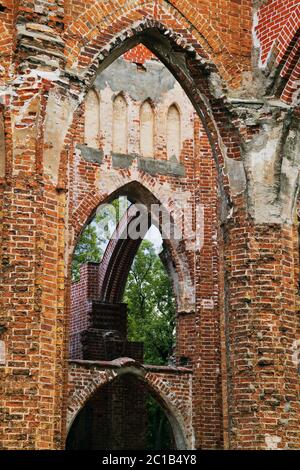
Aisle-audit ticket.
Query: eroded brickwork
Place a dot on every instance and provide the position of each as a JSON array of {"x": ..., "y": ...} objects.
[{"x": 238, "y": 297}]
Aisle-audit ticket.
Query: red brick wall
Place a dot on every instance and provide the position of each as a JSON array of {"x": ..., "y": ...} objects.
[
  {"x": 265, "y": 264},
  {"x": 170, "y": 387},
  {"x": 139, "y": 54},
  {"x": 7, "y": 34},
  {"x": 91, "y": 320},
  {"x": 82, "y": 295},
  {"x": 46, "y": 199},
  {"x": 223, "y": 26}
]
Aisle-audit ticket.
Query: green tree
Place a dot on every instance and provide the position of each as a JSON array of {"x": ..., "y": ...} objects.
[
  {"x": 151, "y": 305},
  {"x": 96, "y": 235},
  {"x": 88, "y": 248}
]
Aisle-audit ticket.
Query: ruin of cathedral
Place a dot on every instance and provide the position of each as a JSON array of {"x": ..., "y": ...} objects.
[{"x": 189, "y": 106}]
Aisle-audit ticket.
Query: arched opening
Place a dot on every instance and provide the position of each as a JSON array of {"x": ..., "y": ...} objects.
[
  {"x": 122, "y": 286},
  {"x": 125, "y": 414},
  {"x": 172, "y": 178},
  {"x": 173, "y": 133},
  {"x": 166, "y": 42},
  {"x": 147, "y": 130}
]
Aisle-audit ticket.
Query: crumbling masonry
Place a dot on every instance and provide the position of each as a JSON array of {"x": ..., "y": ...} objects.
[{"x": 235, "y": 384}]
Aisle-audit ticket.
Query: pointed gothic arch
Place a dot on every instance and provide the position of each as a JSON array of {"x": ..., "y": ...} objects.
[
  {"x": 120, "y": 251},
  {"x": 177, "y": 408},
  {"x": 193, "y": 70}
]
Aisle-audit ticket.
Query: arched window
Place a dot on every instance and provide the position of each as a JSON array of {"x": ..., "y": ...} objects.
[
  {"x": 120, "y": 125},
  {"x": 2, "y": 147},
  {"x": 92, "y": 120},
  {"x": 146, "y": 130},
  {"x": 173, "y": 132}
]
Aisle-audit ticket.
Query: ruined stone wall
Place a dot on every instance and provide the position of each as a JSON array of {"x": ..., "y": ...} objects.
[
  {"x": 187, "y": 180},
  {"x": 116, "y": 113},
  {"x": 50, "y": 191},
  {"x": 276, "y": 37},
  {"x": 82, "y": 295}
]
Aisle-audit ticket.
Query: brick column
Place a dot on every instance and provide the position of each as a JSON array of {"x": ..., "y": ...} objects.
[
  {"x": 262, "y": 322},
  {"x": 32, "y": 279}
]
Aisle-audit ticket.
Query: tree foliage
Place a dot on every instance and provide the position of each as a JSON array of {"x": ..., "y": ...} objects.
[
  {"x": 151, "y": 306},
  {"x": 151, "y": 320},
  {"x": 88, "y": 248},
  {"x": 96, "y": 235}
]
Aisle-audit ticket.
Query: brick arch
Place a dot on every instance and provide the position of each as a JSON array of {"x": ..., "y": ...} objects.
[
  {"x": 113, "y": 186},
  {"x": 187, "y": 17},
  {"x": 120, "y": 253},
  {"x": 183, "y": 53},
  {"x": 281, "y": 49},
  {"x": 117, "y": 260},
  {"x": 85, "y": 381}
]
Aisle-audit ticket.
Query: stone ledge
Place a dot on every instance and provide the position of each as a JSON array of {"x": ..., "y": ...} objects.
[
  {"x": 124, "y": 161},
  {"x": 149, "y": 165},
  {"x": 90, "y": 154},
  {"x": 125, "y": 361}
]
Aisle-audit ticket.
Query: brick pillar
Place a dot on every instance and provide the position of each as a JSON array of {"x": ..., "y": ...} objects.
[
  {"x": 262, "y": 322},
  {"x": 32, "y": 281},
  {"x": 205, "y": 327}
]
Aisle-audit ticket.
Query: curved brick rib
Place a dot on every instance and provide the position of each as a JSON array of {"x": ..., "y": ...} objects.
[
  {"x": 118, "y": 258},
  {"x": 288, "y": 35},
  {"x": 119, "y": 255}
]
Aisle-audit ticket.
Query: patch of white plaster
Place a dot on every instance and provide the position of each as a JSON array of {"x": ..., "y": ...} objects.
[
  {"x": 2, "y": 353},
  {"x": 59, "y": 116},
  {"x": 256, "y": 42},
  {"x": 296, "y": 353},
  {"x": 236, "y": 174},
  {"x": 272, "y": 442},
  {"x": 52, "y": 76}
]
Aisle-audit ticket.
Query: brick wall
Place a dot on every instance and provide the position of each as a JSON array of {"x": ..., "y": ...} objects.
[
  {"x": 278, "y": 32},
  {"x": 139, "y": 55},
  {"x": 82, "y": 295},
  {"x": 98, "y": 330},
  {"x": 170, "y": 386},
  {"x": 114, "y": 419},
  {"x": 246, "y": 343},
  {"x": 273, "y": 16}
]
